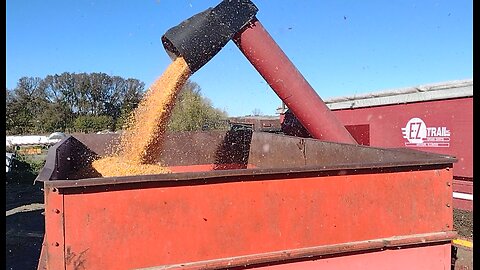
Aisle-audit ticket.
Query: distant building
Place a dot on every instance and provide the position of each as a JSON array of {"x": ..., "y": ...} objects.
[
  {"x": 258, "y": 123},
  {"x": 34, "y": 139}
]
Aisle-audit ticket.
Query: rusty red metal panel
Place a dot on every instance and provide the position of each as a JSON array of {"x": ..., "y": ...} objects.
[
  {"x": 54, "y": 241},
  {"x": 149, "y": 225},
  {"x": 316, "y": 253},
  {"x": 463, "y": 186},
  {"x": 426, "y": 258},
  {"x": 361, "y": 133},
  {"x": 463, "y": 204},
  {"x": 208, "y": 167}
]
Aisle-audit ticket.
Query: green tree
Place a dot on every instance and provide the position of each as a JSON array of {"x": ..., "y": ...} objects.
[
  {"x": 54, "y": 118},
  {"x": 93, "y": 123},
  {"x": 18, "y": 116},
  {"x": 195, "y": 112},
  {"x": 23, "y": 105},
  {"x": 54, "y": 103},
  {"x": 95, "y": 102},
  {"x": 60, "y": 107}
]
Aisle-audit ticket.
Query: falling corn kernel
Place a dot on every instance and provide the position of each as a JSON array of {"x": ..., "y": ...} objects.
[{"x": 142, "y": 141}]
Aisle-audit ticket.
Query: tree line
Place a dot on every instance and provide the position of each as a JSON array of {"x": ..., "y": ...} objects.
[{"x": 92, "y": 102}]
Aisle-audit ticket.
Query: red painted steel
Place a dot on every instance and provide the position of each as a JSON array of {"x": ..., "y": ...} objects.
[
  {"x": 462, "y": 186},
  {"x": 425, "y": 258},
  {"x": 114, "y": 228},
  {"x": 463, "y": 204},
  {"x": 386, "y": 123},
  {"x": 317, "y": 253},
  {"x": 54, "y": 242},
  {"x": 289, "y": 84}
]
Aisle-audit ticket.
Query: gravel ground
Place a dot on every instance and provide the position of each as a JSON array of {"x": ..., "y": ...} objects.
[
  {"x": 24, "y": 236},
  {"x": 24, "y": 230},
  {"x": 463, "y": 223},
  {"x": 464, "y": 259}
]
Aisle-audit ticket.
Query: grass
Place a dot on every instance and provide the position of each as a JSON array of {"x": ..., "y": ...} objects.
[{"x": 25, "y": 168}]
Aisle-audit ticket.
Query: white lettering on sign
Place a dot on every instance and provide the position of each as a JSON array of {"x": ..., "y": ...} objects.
[{"x": 419, "y": 135}]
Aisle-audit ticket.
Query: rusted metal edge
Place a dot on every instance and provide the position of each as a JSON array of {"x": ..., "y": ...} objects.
[
  {"x": 49, "y": 167},
  {"x": 315, "y": 252},
  {"x": 233, "y": 175},
  {"x": 51, "y": 176},
  {"x": 50, "y": 170}
]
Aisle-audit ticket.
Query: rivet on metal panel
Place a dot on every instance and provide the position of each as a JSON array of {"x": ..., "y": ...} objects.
[
  {"x": 448, "y": 226},
  {"x": 56, "y": 244},
  {"x": 449, "y": 184},
  {"x": 56, "y": 211},
  {"x": 448, "y": 205},
  {"x": 54, "y": 189},
  {"x": 448, "y": 169}
]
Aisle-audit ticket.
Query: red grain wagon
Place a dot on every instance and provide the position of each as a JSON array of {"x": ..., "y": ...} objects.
[
  {"x": 436, "y": 118},
  {"x": 234, "y": 201}
]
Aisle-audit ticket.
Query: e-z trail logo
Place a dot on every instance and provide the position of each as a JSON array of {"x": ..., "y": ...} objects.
[{"x": 419, "y": 135}]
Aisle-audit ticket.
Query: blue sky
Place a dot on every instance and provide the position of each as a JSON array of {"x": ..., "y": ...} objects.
[{"x": 341, "y": 47}]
